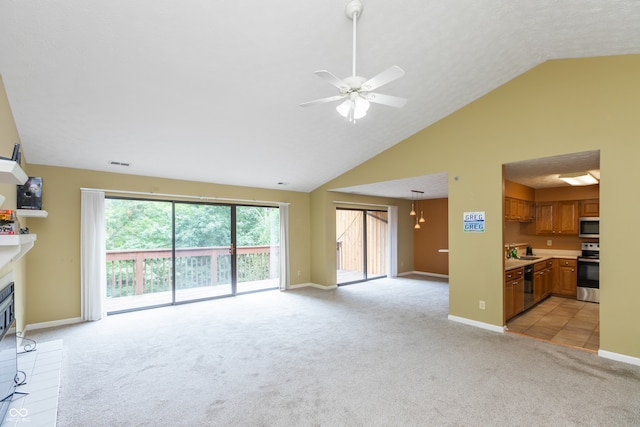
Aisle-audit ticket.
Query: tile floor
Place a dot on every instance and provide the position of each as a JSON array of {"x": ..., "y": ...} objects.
[
  {"x": 40, "y": 407},
  {"x": 563, "y": 321}
]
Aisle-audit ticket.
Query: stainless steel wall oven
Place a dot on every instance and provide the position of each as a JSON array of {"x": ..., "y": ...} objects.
[{"x": 589, "y": 273}]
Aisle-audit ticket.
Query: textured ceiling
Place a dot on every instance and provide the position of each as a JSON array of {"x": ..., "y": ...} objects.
[
  {"x": 210, "y": 90},
  {"x": 544, "y": 172}
]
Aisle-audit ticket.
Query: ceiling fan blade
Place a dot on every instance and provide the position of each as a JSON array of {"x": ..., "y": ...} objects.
[
  {"x": 322, "y": 100},
  {"x": 326, "y": 75},
  {"x": 388, "y": 75},
  {"x": 391, "y": 101}
]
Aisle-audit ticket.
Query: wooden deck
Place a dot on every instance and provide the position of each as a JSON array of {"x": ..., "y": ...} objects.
[{"x": 162, "y": 298}]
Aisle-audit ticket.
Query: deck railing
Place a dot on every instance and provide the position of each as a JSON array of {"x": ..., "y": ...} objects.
[{"x": 143, "y": 271}]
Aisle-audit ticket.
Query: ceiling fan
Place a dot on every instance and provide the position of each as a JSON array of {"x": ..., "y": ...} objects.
[{"x": 356, "y": 90}]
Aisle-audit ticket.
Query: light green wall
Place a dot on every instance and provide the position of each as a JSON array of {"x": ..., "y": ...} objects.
[
  {"x": 559, "y": 107},
  {"x": 54, "y": 262}
]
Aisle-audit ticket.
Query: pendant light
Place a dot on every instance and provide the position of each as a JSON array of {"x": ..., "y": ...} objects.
[
  {"x": 413, "y": 207},
  {"x": 415, "y": 194}
]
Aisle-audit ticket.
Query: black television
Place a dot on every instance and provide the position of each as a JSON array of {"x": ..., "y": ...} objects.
[{"x": 8, "y": 350}]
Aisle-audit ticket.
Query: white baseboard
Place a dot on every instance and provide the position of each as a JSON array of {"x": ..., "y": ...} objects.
[
  {"x": 313, "y": 285},
  {"x": 477, "y": 324},
  {"x": 424, "y": 273},
  {"x": 53, "y": 324},
  {"x": 619, "y": 357}
]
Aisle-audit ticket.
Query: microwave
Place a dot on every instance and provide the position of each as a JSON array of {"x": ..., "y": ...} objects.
[{"x": 589, "y": 227}]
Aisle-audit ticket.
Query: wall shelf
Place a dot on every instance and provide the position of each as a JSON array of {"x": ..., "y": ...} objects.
[
  {"x": 14, "y": 246},
  {"x": 12, "y": 173},
  {"x": 32, "y": 213}
]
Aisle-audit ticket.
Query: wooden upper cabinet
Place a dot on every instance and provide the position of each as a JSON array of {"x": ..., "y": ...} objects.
[
  {"x": 544, "y": 218},
  {"x": 528, "y": 211},
  {"x": 518, "y": 210},
  {"x": 557, "y": 218},
  {"x": 567, "y": 218},
  {"x": 515, "y": 210},
  {"x": 590, "y": 208}
]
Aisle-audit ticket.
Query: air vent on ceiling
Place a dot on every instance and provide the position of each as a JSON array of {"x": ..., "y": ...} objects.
[{"x": 125, "y": 164}]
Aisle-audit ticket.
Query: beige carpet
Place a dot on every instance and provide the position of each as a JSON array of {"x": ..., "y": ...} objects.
[{"x": 380, "y": 353}]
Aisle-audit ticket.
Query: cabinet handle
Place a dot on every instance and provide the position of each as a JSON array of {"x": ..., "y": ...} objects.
[{"x": 572, "y": 270}]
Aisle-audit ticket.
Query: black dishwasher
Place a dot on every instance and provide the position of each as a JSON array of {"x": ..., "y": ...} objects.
[{"x": 528, "y": 286}]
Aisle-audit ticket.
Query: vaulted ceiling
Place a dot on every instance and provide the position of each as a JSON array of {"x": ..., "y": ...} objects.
[{"x": 210, "y": 90}]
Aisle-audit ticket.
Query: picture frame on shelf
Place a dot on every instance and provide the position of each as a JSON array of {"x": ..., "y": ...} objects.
[{"x": 29, "y": 195}]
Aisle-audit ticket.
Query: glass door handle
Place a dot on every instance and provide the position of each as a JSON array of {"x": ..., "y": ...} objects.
[{"x": 232, "y": 249}]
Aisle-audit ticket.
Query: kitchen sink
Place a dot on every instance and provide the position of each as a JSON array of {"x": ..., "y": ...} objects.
[{"x": 529, "y": 258}]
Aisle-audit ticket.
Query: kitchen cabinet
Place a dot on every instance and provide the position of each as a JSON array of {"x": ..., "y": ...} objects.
[
  {"x": 518, "y": 210},
  {"x": 559, "y": 218},
  {"x": 528, "y": 211},
  {"x": 513, "y": 293},
  {"x": 590, "y": 208},
  {"x": 565, "y": 277},
  {"x": 542, "y": 280},
  {"x": 548, "y": 279}
]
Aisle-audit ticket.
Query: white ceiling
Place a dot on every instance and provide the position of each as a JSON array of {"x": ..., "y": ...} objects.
[{"x": 210, "y": 90}]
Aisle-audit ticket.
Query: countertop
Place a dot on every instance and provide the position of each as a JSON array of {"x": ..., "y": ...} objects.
[{"x": 510, "y": 264}]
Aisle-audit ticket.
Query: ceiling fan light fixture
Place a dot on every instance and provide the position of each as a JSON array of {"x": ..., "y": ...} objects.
[
  {"x": 353, "y": 109},
  {"x": 579, "y": 178}
]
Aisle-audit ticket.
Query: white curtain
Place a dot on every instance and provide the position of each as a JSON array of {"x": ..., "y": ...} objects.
[
  {"x": 284, "y": 246},
  {"x": 92, "y": 255},
  {"x": 392, "y": 250}
]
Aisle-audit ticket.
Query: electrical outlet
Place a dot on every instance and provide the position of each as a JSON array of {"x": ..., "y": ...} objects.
[
  {"x": 299, "y": 273},
  {"x": 549, "y": 242},
  {"x": 482, "y": 305}
]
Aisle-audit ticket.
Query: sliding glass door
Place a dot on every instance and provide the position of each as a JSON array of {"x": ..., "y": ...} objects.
[
  {"x": 164, "y": 252},
  {"x": 361, "y": 245},
  {"x": 139, "y": 254},
  {"x": 203, "y": 251},
  {"x": 257, "y": 248},
  {"x": 377, "y": 225}
]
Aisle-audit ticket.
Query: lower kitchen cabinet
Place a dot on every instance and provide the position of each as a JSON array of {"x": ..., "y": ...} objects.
[
  {"x": 544, "y": 284},
  {"x": 566, "y": 277},
  {"x": 548, "y": 278},
  {"x": 542, "y": 280},
  {"x": 513, "y": 293}
]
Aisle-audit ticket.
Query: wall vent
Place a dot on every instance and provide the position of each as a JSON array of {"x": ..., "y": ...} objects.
[{"x": 126, "y": 164}]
